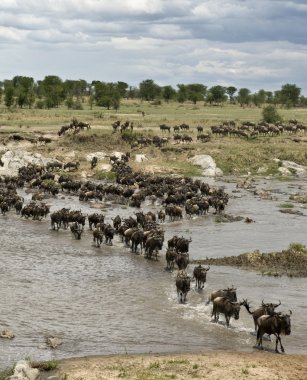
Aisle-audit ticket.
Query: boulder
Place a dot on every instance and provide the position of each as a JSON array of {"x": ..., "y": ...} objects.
[
  {"x": 23, "y": 371},
  {"x": 99, "y": 155},
  {"x": 208, "y": 165},
  {"x": 140, "y": 158},
  {"x": 290, "y": 167}
]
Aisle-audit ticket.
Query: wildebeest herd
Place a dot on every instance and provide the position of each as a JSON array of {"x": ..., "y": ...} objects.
[{"x": 142, "y": 231}]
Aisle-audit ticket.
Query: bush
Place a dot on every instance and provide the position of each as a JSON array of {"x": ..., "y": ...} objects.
[{"x": 270, "y": 114}]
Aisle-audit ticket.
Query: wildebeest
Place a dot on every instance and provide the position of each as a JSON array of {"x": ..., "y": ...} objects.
[
  {"x": 200, "y": 275},
  {"x": 182, "y": 260},
  {"x": 170, "y": 256},
  {"x": 76, "y": 230},
  {"x": 94, "y": 162},
  {"x": 276, "y": 324},
  {"x": 72, "y": 165},
  {"x": 97, "y": 237},
  {"x": 183, "y": 285},
  {"x": 224, "y": 306},
  {"x": 94, "y": 219},
  {"x": 230, "y": 293},
  {"x": 264, "y": 309}
]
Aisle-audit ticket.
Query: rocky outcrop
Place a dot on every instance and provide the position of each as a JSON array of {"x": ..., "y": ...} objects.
[
  {"x": 13, "y": 160},
  {"x": 24, "y": 371},
  {"x": 208, "y": 165},
  {"x": 291, "y": 168}
]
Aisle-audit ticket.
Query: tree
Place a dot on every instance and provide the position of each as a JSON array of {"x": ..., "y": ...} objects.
[
  {"x": 230, "y": 91},
  {"x": 182, "y": 94},
  {"x": 168, "y": 93},
  {"x": 53, "y": 90},
  {"x": 149, "y": 90},
  {"x": 196, "y": 92},
  {"x": 9, "y": 93},
  {"x": 270, "y": 114},
  {"x": 289, "y": 95},
  {"x": 216, "y": 94},
  {"x": 259, "y": 98},
  {"x": 244, "y": 96},
  {"x": 24, "y": 90},
  {"x": 106, "y": 94}
]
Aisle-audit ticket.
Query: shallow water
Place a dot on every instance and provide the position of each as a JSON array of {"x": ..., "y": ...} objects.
[{"x": 107, "y": 300}]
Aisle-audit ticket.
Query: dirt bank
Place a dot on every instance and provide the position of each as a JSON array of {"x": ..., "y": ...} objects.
[
  {"x": 212, "y": 365},
  {"x": 291, "y": 262}
]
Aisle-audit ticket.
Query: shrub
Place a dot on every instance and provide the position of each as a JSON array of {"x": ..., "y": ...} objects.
[{"x": 270, "y": 114}]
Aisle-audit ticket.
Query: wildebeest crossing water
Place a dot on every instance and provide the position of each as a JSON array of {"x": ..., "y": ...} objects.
[{"x": 108, "y": 300}]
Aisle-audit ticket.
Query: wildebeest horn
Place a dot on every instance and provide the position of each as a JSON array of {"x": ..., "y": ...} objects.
[
  {"x": 290, "y": 311},
  {"x": 277, "y": 305},
  {"x": 206, "y": 269}
]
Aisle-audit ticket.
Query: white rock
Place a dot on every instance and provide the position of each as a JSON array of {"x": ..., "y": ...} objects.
[
  {"x": 294, "y": 167},
  {"x": 284, "y": 171},
  {"x": 140, "y": 158},
  {"x": 105, "y": 167},
  {"x": 99, "y": 155},
  {"x": 208, "y": 165},
  {"x": 13, "y": 160},
  {"x": 23, "y": 371}
]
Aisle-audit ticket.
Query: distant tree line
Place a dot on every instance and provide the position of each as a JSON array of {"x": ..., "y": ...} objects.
[{"x": 52, "y": 91}]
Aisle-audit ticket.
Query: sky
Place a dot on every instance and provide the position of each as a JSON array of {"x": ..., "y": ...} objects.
[{"x": 257, "y": 44}]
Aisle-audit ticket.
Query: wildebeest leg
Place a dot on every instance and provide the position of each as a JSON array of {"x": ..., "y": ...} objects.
[{"x": 227, "y": 320}]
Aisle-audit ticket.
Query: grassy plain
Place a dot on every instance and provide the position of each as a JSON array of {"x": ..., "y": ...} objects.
[{"x": 232, "y": 154}]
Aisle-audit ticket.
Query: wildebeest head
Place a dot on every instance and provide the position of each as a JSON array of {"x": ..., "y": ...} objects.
[
  {"x": 231, "y": 294},
  {"x": 269, "y": 308},
  {"x": 236, "y": 309}
]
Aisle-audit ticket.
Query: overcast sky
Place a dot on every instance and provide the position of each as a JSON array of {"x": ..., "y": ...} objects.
[{"x": 246, "y": 43}]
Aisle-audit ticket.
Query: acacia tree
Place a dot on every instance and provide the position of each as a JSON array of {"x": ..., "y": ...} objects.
[
  {"x": 244, "y": 97},
  {"x": 106, "y": 94},
  {"x": 52, "y": 88},
  {"x": 216, "y": 94},
  {"x": 289, "y": 95},
  {"x": 9, "y": 93},
  {"x": 149, "y": 90},
  {"x": 168, "y": 93},
  {"x": 230, "y": 91}
]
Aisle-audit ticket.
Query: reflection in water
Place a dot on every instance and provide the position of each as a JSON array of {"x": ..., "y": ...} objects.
[{"x": 107, "y": 300}]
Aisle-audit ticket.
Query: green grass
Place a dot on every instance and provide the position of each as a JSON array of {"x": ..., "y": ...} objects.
[
  {"x": 234, "y": 156},
  {"x": 286, "y": 205}
]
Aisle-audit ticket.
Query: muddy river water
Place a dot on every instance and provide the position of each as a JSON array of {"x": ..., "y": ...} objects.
[{"x": 107, "y": 300}]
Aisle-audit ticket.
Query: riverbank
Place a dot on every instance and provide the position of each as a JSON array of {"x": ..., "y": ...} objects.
[
  {"x": 207, "y": 365},
  {"x": 291, "y": 262}
]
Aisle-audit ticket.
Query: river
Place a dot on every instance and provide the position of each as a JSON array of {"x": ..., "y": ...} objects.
[{"x": 107, "y": 300}]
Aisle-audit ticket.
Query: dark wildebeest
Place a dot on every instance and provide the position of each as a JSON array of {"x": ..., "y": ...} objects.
[
  {"x": 229, "y": 293},
  {"x": 264, "y": 309},
  {"x": 97, "y": 237},
  {"x": 182, "y": 260},
  {"x": 94, "y": 162},
  {"x": 170, "y": 256},
  {"x": 117, "y": 222},
  {"x": 183, "y": 285},
  {"x": 76, "y": 230},
  {"x": 72, "y": 165},
  {"x": 224, "y": 306},
  {"x": 200, "y": 275},
  {"x": 274, "y": 324}
]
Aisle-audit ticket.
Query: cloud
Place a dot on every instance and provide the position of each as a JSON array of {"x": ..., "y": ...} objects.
[{"x": 249, "y": 43}]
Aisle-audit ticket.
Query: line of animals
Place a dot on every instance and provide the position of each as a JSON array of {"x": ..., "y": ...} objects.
[{"x": 143, "y": 231}]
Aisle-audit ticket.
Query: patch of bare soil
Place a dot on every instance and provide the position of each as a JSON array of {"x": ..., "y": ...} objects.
[
  {"x": 291, "y": 262},
  {"x": 212, "y": 365}
]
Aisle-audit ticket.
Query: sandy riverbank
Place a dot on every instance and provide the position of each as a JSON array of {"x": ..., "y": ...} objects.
[{"x": 210, "y": 365}]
